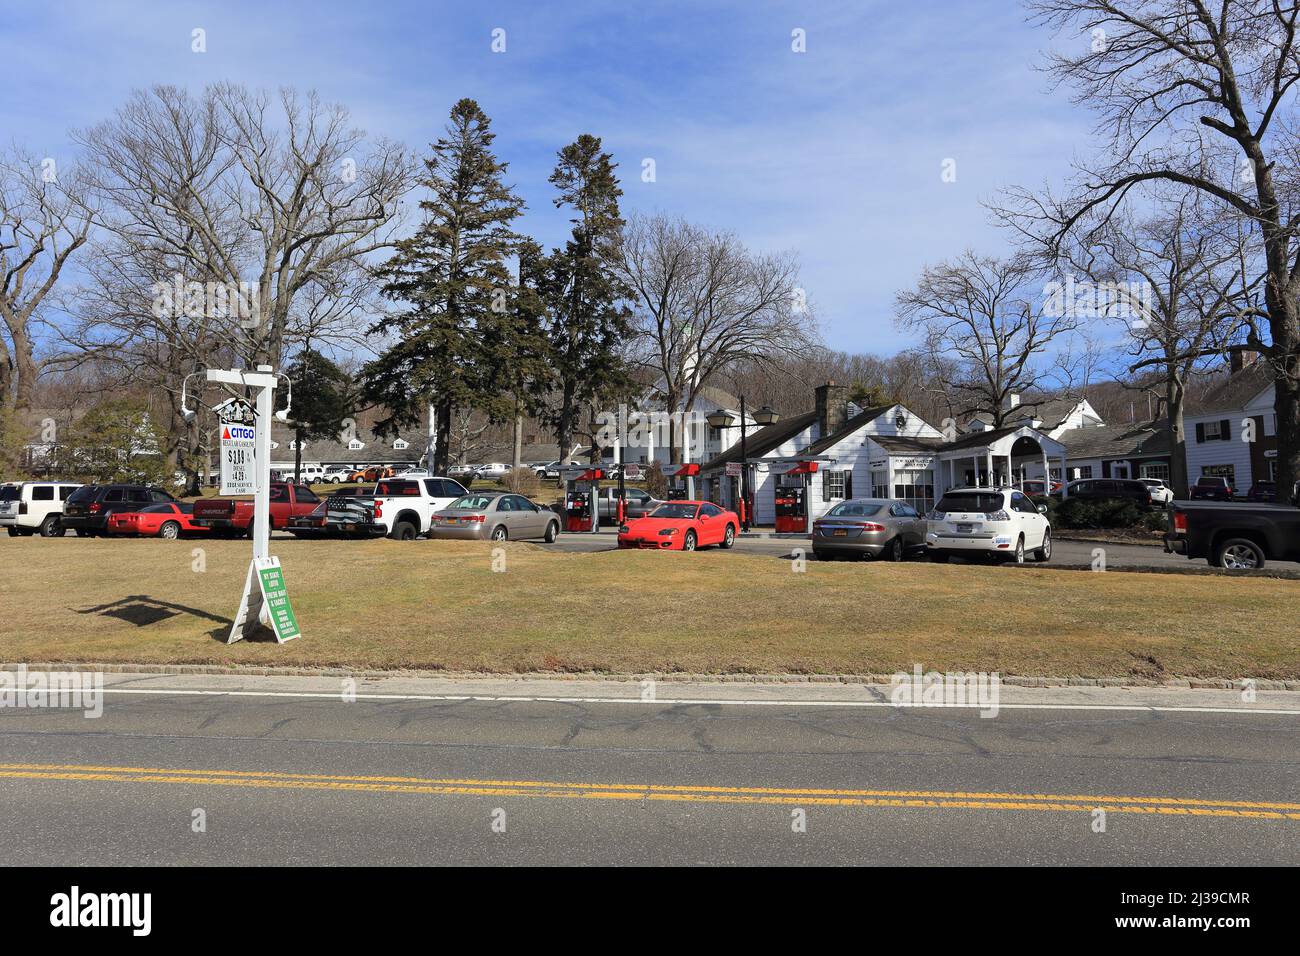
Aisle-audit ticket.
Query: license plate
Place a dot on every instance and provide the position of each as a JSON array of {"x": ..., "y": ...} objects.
[
  {"x": 965, "y": 528},
  {"x": 839, "y": 532}
]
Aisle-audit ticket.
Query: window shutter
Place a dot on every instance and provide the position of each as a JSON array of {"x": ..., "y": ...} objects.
[
  {"x": 1200, "y": 433},
  {"x": 1225, "y": 430},
  {"x": 826, "y": 486}
]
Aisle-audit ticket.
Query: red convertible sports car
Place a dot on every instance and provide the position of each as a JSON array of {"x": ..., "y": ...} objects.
[
  {"x": 681, "y": 526},
  {"x": 169, "y": 520}
]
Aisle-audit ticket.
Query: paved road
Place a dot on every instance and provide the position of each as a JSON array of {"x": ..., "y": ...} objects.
[
  {"x": 402, "y": 779},
  {"x": 1064, "y": 553}
]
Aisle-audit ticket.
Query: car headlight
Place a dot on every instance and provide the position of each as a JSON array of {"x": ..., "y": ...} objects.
[{"x": 667, "y": 531}]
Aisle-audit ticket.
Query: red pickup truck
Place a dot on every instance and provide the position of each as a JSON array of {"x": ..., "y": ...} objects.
[{"x": 236, "y": 514}]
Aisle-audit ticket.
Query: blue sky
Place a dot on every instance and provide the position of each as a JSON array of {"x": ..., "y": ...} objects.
[{"x": 835, "y": 153}]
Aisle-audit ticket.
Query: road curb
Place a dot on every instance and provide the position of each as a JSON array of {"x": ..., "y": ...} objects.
[{"x": 1012, "y": 680}]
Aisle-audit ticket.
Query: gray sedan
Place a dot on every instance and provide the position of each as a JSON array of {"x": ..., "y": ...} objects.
[
  {"x": 869, "y": 528},
  {"x": 494, "y": 516}
]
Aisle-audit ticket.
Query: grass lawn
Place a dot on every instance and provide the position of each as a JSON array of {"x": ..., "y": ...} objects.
[{"x": 381, "y": 604}]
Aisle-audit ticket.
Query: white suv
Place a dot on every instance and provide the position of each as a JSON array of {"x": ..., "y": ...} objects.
[
  {"x": 999, "y": 521},
  {"x": 1161, "y": 493},
  {"x": 35, "y": 507}
]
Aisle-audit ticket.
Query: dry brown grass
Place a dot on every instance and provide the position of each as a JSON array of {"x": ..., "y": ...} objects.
[{"x": 381, "y": 604}]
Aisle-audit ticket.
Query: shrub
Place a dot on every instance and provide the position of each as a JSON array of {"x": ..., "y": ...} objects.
[
  {"x": 656, "y": 485},
  {"x": 1084, "y": 514},
  {"x": 522, "y": 481}
]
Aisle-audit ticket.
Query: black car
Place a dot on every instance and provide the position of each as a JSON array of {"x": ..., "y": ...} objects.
[
  {"x": 1109, "y": 489},
  {"x": 87, "y": 511},
  {"x": 1263, "y": 491},
  {"x": 1211, "y": 488}
]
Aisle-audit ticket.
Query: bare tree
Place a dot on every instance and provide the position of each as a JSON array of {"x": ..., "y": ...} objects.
[
  {"x": 1196, "y": 93},
  {"x": 44, "y": 219},
  {"x": 704, "y": 302},
  {"x": 986, "y": 316},
  {"x": 1179, "y": 281}
]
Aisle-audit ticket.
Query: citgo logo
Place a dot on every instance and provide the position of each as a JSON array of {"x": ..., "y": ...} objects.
[{"x": 238, "y": 432}]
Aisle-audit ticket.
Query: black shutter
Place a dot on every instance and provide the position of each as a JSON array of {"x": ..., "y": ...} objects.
[
  {"x": 826, "y": 486},
  {"x": 1200, "y": 433},
  {"x": 848, "y": 484},
  {"x": 1225, "y": 430}
]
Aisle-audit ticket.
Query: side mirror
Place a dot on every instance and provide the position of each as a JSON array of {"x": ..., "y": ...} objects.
[{"x": 1042, "y": 509}]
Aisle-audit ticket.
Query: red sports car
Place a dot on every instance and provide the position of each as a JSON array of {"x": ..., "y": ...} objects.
[
  {"x": 169, "y": 520},
  {"x": 681, "y": 526}
]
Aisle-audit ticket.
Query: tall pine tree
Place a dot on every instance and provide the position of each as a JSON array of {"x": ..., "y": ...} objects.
[
  {"x": 449, "y": 341},
  {"x": 589, "y": 319}
]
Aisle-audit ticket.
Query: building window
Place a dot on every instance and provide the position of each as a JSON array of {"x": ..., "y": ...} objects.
[
  {"x": 880, "y": 484},
  {"x": 916, "y": 487},
  {"x": 1213, "y": 430},
  {"x": 1156, "y": 469},
  {"x": 401, "y": 444},
  {"x": 356, "y": 445},
  {"x": 837, "y": 485}
]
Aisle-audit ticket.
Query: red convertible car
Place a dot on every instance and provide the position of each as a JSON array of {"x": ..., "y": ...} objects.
[
  {"x": 681, "y": 526},
  {"x": 169, "y": 520}
]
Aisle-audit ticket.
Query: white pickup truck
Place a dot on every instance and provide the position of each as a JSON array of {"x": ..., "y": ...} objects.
[{"x": 401, "y": 508}]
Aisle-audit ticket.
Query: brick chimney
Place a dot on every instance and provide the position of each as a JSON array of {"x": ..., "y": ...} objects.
[
  {"x": 832, "y": 407},
  {"x": 1240, "y": 358}
]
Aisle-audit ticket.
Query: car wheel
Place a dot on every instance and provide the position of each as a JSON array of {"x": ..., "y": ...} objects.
[
  {"x": 50, "y": 527},
  {"x": 688, "y": 543},
  {"x": 729, "y": 539},
  {"x": 893, "y": 551},
  {"x": 1239, "y": 554},
  {"x": 939, "y": 557},
  {"x": 1044, "y": 553},
  {"x": 1019, "y": 556},
  {"x": 499, "y": 533},
  {"x": 13, "y": 532},
  {"x": 552, "y": 532},
  {"x": 171, "y": 530},
  {"x": 403, "y": 531}
]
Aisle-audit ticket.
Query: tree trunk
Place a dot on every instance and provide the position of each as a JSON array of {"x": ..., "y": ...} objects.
[
  {"x": 439, "y": 464},
  {"x": 1286, "y": 404},
  {"x": 297, "y": 456},
  {"x": 1175, "y": 436},
  {"x": 519, "y": 436},
  {"x": 564, "y": 428}
]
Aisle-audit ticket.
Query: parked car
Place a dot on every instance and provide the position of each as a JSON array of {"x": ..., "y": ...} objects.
[
  {"x": 495, "y": 516},
  {"x": 1111, "y": 489},
  {"x": 1262, "y": 491},
  {"x": 35, "y": 507},
  {"x": 494, "y": 471},
  {"x": 1161, "y": 493},
  {"x": 88, "y": 509},
  {"x": 681, "y": 526},
  {"x": 336, "y": 476},
  {"x": 552, "y": 468},
  {"x": 1235, "y": 536},
  {"x": 1212, "y": 488},
  {"x": 168, "y": 520},
  {"x": 1002, "y": 523},
  {"x": 637, "y": 503},
  {"x": 869, "y": 528},
  {"x": 401, "y": 508},
  {"x": 461, "y": 472},
  {"x": 1038, "y": 487},
  {"x": 235, "y": 515}
]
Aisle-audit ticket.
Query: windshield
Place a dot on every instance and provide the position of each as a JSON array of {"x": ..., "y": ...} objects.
[
  {"x": 84, "y": 493},
  {"x": 970, "y": 501},
  {"x": 471, "y": 503},
  {"x": 674, "y": 510},
  {"x": 853, "y": 509}
]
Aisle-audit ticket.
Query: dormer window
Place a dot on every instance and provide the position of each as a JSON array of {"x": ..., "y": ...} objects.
[
  {"x": 275, "y": 444},
  {"x": 356, "y": 445},
  {"x": 401, "y": 445},
  {"x": 900, "y": 421}
]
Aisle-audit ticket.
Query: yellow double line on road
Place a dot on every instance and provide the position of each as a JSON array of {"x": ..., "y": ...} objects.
[{"x": 925, "y": 799}]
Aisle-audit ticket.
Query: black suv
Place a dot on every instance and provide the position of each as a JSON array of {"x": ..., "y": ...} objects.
[
  {"x": 87, "y": 511},
  {"x": 1104, "y": 489}
]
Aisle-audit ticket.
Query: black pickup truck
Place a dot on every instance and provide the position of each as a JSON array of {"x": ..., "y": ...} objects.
[{"x": 1238, "y": 537}]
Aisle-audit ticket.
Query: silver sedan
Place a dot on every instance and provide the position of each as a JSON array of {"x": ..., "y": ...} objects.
[
  {"x": 869, "y": 528},
  {"x": 495, "y": 516}
]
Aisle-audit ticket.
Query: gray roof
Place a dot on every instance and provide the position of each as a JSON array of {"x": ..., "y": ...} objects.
[
  {"x": 1050, "y": 411},
  {"x": 764, "y": 440},
  {"x": 1116, "y": 441},
  {"x": 376, "y": 450},
  {"x": 900, "y": 443},
  {"x": 864, "y": 417},
  {"x": 1234, "y": 392}
]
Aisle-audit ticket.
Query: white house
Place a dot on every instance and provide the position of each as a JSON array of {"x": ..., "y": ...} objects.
[{"x": 1232, "y": 431}]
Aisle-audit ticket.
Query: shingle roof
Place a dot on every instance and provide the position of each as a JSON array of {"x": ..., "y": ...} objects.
[
  {"x": 899, "y": 443},
  {"x": 982, "y": 438},
  {"x": 1050, "y": 411},
  {"x": 764, "y": 440},
  {"x": 864, "y": 417},
  {"x": 1116, "y": 441},
  {"x": 1234, "y": 392}
]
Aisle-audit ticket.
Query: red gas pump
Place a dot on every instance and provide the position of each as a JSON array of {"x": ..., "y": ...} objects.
[
  {"x": 677, "y": 475},
  {"x": 791, "y": 509},
  {"x": 580, "y": 500}
]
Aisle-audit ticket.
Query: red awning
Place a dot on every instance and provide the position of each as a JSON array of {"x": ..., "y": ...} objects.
[
  {"x": 591, "y": 474},
  {"x": 683, "y": 471},
  {"x": 804, "y": 468}
]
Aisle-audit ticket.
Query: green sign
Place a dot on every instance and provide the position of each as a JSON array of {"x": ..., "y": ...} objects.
[{"x": 276, "y": 600}]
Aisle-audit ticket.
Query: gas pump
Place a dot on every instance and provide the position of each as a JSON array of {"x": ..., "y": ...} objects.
[
  {"x": 580, "y": 502},
  {"x": 792, "y": 499},
  {"x": 677, "y": 475}
]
